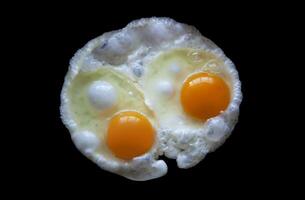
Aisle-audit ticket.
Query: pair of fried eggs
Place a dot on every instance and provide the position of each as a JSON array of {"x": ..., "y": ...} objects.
[{"x": 156, "y": 87}]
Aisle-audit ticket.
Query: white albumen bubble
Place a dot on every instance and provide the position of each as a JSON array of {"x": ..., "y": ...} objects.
[
  {"x": 165, "y": 88},
  {"x": 85, "y": 141},
  {"x": 102, "y": 95}
]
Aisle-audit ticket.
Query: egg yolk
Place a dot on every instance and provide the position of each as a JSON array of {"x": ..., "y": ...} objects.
[
  {"x": 204, "y": 95},
  {"x": 129, "y": 135}
]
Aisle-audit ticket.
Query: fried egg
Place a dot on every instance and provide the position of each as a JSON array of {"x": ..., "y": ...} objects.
[{"x": 156, "y": 87}]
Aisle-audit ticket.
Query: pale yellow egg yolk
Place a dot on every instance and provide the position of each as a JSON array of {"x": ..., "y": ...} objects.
[
  {"x": 204, "y": 95},
  {"x": 130, "y": 134}
]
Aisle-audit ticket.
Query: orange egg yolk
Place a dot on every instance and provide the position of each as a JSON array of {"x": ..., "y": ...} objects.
[
  {"x": 129, "y": 135},
  {"x": 204, "y": 95}
]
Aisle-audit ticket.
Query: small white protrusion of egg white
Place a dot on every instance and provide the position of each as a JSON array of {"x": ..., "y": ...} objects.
[
  {"x": 217, "y": 129},
  {"x": 193, "y": 154},
  {"x": 165, "y": 88},
  {"x": 174, "y": 68},
  {"x": 86, "y": 141},
  {"x": 183, "y": 161},
  {"x": 187, "y": 160},
  {"x": 151, "y": 170},
  {"x": 102, "y": 95},
  {"x": 160, "y": 168}
]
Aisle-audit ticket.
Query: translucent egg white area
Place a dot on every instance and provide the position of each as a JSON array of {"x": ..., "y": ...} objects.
[{"x": 129, "y": 51}]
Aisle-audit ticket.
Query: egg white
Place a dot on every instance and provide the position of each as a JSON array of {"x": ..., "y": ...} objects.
[{"x": 129, "y": 51}]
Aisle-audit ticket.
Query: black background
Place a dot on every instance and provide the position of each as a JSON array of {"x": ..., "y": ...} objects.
[{"x": 244, "y": 165}]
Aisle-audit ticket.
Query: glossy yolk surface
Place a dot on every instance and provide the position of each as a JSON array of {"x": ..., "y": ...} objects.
[
  {"x": 129, "y": 135},
  {"x": 204, "y": 95}
]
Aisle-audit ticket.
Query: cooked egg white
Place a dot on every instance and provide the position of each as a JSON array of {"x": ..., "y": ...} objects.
[{"x": 154, "y": 87}]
